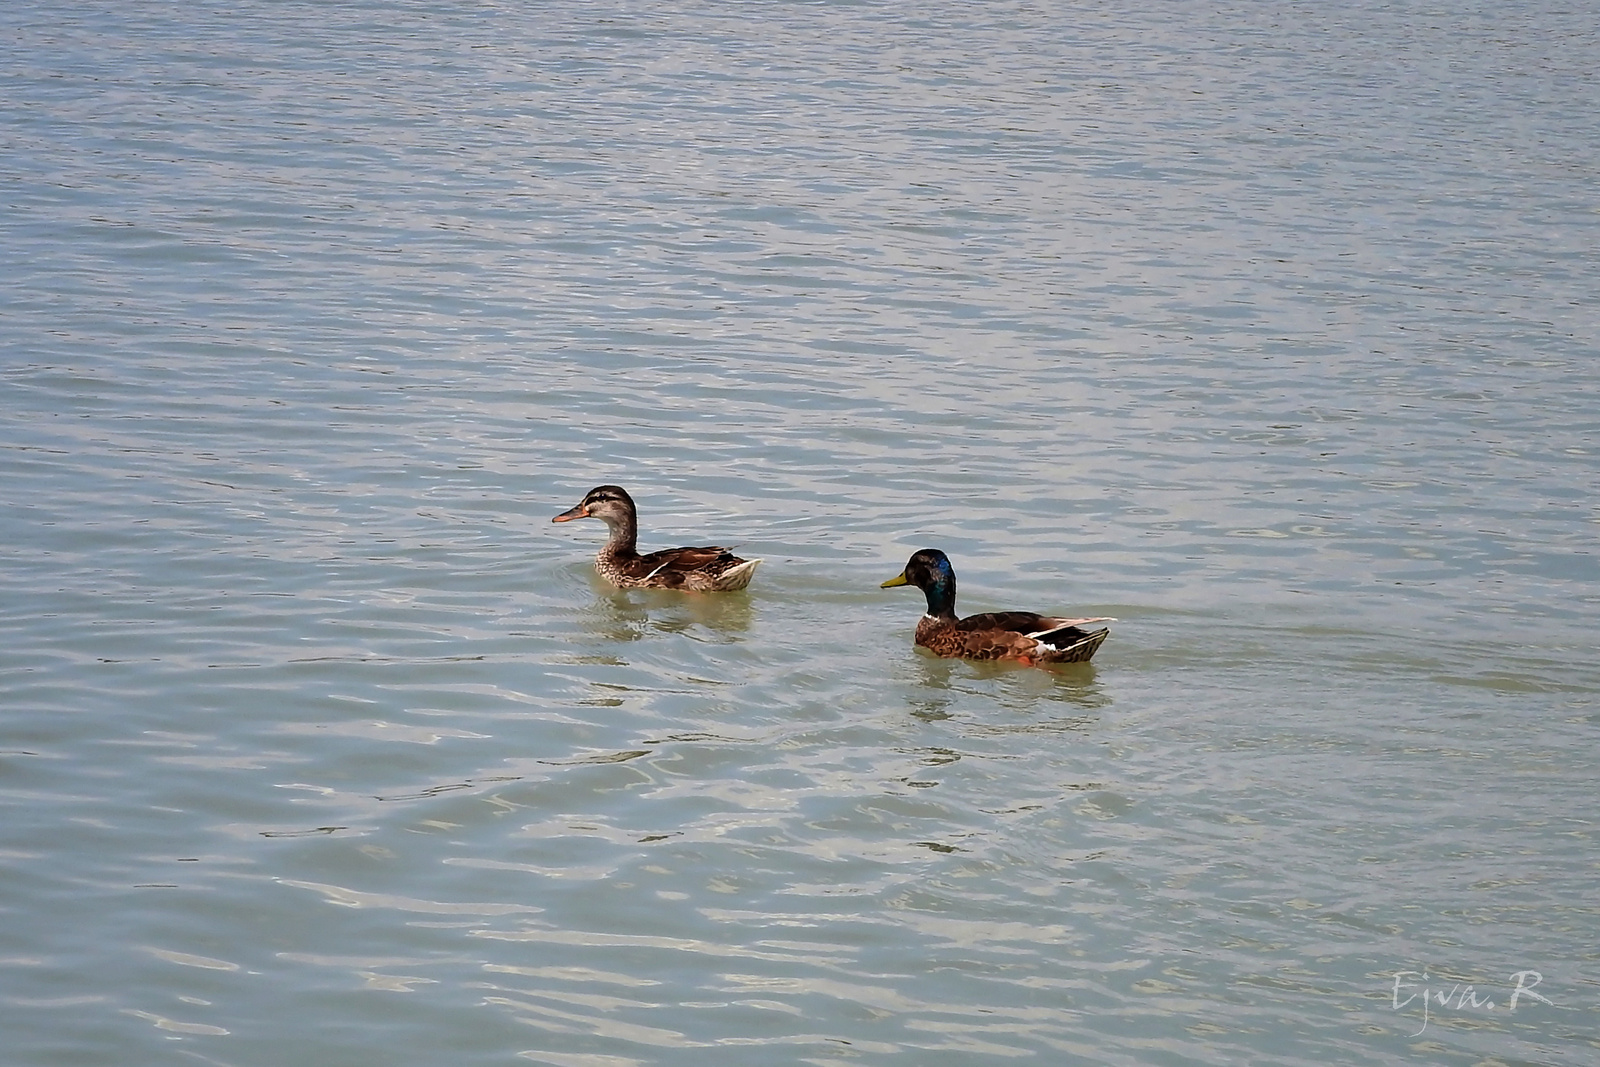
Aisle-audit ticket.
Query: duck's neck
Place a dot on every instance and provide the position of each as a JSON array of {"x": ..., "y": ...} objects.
[
  {"x": 941, "y": 593},
  {"x": 623, "y": 542}
]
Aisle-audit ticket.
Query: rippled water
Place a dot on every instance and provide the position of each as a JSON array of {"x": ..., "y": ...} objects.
[{"x": 1267, "y": 328}]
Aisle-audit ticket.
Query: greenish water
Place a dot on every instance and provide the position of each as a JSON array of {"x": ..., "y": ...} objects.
[{"x": 1266, "y": 329}]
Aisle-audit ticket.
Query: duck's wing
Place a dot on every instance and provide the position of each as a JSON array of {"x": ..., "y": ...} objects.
[
  {"x": 1025, "y": 635},
  {"x": 994, "y": 635},
  {"x": 1071, "y": 640},
  {"x": 1018, "y": 622},
  {"x": 671, "y": 567},
  {"x": 1052, "y": 625}
]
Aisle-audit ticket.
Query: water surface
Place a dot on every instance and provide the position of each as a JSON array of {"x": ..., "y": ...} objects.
[{"x": 1266, "y": 328}]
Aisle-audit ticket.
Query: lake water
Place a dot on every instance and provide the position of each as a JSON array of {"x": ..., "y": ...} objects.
[{"x": 1268, "y": 328}]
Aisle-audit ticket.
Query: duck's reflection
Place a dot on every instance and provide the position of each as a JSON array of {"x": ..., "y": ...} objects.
[
  {"x": 939, "y": 687},
  {"x": 629, "y": 615}
]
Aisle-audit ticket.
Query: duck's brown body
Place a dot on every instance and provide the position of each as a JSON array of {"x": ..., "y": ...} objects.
[
  {"x": 1017, "y": 635},
  {"x": 705, "y": 569},
  {"x": 1014, "y": 635}
]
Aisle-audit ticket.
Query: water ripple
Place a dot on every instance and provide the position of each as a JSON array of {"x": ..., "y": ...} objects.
[{"x": 1263, "y": 329}]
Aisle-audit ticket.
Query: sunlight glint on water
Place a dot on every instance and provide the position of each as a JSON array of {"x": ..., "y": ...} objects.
[{"x": 1265, "y": 329}]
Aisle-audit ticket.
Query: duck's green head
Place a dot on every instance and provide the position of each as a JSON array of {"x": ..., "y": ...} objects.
[{"x": 929, "y": 570}]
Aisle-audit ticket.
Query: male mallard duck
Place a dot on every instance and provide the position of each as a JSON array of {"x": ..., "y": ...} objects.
[
  {"x": 1018, "y": 635},
  {"x": 619, "y": 562}
]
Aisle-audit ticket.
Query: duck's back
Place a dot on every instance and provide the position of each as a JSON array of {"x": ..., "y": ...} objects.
[{"x": 705, "y": 568}]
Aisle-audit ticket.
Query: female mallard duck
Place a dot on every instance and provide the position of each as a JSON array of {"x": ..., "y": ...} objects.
[
  {"x": 619, "y": 562},
  {"x": 1019, "y": 635}
]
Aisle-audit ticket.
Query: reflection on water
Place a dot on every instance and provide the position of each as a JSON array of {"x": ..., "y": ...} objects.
[
  {"x": 937, "y": 684},
  {"x": 1219, "y": 319},
  {"x": 628, "y": 615}
]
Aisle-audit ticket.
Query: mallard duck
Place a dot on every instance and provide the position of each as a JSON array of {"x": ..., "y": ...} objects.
[
  {"x": 1015, "y": 635},
  {"x": 619, "y": 562}
]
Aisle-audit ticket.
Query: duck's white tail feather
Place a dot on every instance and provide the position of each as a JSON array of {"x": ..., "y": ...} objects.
[
  {"x": 1062, "y": 624},
  {"x": 736, "y": 577},
  {"x": 1074, "y": 647}
]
